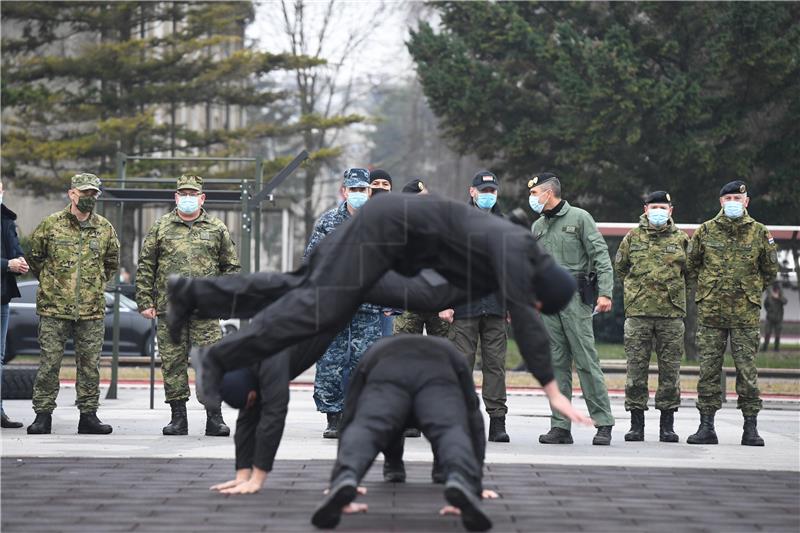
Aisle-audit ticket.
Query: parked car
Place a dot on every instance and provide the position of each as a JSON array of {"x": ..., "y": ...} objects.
[{"x": 136, "y": 336}]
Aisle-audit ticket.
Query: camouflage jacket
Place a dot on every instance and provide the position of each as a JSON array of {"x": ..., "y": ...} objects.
[
  {"x": 733, "y": 261},
  {"x": 651, "y": 262},
  {"x": 73, "y": 264},
  {"x": 172, "y": 246},
  {"x": 327, "y": 222}
]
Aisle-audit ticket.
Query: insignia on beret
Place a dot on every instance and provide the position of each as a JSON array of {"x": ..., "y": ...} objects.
[
  {"x": 742, "y": 188},
  {"x": 420, "y": 185},
  {"x": 533, "y": 181},
  {"x": 669, "y": 199}
]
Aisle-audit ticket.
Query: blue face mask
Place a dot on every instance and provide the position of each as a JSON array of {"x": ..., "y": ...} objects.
[
  {"x": 657, "y": 217},
  {"x": 486, "y": 200},
  {"x": 188, "y": 204},
  {"x": 733, "y": 209},
  {"x": 535, "y": 204},
  {"x": 356, "y": 199}
]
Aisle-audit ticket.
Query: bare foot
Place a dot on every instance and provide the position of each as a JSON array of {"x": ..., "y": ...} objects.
[
  {"x": 248, "y": 487},
  {"x": 227, "y": 485}
]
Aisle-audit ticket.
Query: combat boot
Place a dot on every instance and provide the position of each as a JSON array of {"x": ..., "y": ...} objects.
[
  {"x": 636, "y": 434},
  {"x": 556, "y": 436},
  {"x": 179, "y": 425},
  {"x": 705, "y": 433},
  {"x": 750, "y": 436},
  {"x": 215, "y": 425},
  {"x": 89, "y": 424},
  {"x": 666, "y": 433},
  {"x": 394, "y": 473},
  {"x": 497, "y": 429},
  {"x": 180, "y": 305},
  {"x": 603, "y": 436},
  {"x": 7, "y": 423},
  {"x": 332, "y": 431},
  {"x": 41, "y": 425}
]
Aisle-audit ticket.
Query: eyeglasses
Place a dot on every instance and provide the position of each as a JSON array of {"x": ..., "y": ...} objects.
[{"x": 183, "y": 194}]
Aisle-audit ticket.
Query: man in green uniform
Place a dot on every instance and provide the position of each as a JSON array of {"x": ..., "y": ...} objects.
[
  {"x": 773, "y": 305},
  {"x": 733, "y": 259},
  {"x": 571, "y": 236},
  {"x": 651, "y": 262},
  {"x": 189, "y": 242},
  {"x": 74, "y": 253}
]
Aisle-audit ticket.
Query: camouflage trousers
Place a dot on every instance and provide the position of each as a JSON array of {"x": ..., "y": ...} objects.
[
  {"x": 490, "y": 331},
  {"x": 175, "y": 357},
  {"x": 87, "y": 337},
  {"x": 410, "y": 322},
  {"x": 641, "y": 334},
  {"x": 341, "y": 358},
  {"x": 711, "y": 344}
]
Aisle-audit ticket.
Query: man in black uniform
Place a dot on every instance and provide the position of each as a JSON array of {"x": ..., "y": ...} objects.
[
  {"x": 405, "y": 233},
  {"x": 411, "y": 379}
]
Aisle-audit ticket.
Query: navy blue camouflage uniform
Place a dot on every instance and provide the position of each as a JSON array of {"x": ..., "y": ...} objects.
[{"x": 344, "y": 353}]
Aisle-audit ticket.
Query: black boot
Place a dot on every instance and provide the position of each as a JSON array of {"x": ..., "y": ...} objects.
[
  {"x": 215, "y": 425},
  {"x": 343, "y": 491},
  {"x": 705, "y": 433},
  {"x": 458, "y": 494},
  {"x": 41, "y": 425},
  {"x": 750, "y": 436},
  {"x": 394, "y": 473},
  {"x": 412, "y": 433},
  {"x": 89, "y": 424},
  {"x": 556, "y": 436},
  {"x": 8, "y": 423},
  {"x": 636, "y": 434},
  {"x": 497, "y": 429},
  {"x": 603, "y": 436},
  {"x": 179, "y": 425},
  {"x": 180, "y": 305},
  {"x": 332, "y": 431},
  {"x": 666, "y": 433}
]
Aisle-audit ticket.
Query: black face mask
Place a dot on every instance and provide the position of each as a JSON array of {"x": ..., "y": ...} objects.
[
  {"x": 86, "y": 204},
  {"x": 377, "y": 190}
]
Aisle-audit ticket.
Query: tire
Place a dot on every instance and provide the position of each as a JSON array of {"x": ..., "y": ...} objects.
[{"x": 18, "y": 382}]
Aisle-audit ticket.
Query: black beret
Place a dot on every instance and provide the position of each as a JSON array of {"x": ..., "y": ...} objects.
[
  {"x": 734, "y": 187},
  {"x": 236, "y": 385},
  {"x": 658, "y": 197},
  {"x": 379, "y": 174},
  {"x": 543, "y": 177},
  {"x": 484, "y": 179},
  {"x": 414, "y": 186}
]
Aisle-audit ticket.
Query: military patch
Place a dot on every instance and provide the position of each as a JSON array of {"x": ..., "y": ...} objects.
[
  {"x": 205, "y": 235},
  {"x": 773, "y": 256},
  {"x": 94, "y": 245},
  {"x": 571, "y": 229},
  {"x": 770, "y": 239},
  {"x": 671, "y": 249}
]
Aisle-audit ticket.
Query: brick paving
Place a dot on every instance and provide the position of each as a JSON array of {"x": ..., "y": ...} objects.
[{"x": 46, "y": 495}]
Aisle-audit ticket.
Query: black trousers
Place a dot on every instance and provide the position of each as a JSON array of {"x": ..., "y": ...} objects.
[{"x": 394, "y": 394}]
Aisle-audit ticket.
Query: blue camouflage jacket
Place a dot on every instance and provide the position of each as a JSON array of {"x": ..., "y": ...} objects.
[{"x": 326, "y": 224}]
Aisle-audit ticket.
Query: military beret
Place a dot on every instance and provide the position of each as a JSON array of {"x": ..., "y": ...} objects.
[
  {"x": 356, "y": 177},
  {"x": 379, "y": 174},
  {"x": 658, "y": 197},
  {"x": 543, "y": 177},
  {"x": 485, "y": 179},
  {"x": 414, "y": 186},
  {"x": 188, "y": 181},
  {"x": 734, "y": 187},
  {"x": 85, "y": 181}
]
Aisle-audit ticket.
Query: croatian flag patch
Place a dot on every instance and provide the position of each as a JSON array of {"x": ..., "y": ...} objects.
[{"x": 770, "y": 239}]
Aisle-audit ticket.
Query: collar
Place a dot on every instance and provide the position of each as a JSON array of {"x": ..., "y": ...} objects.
[
  {"x": 560, "y": 209},
  {"x": 644, "y": 223},
  {"x": 8, "y": 213},
  {"x": 176, "y": 217},
  {"x": 726, "y": 222},
  {"x": 342, "y": 210},
  {"x": 90, "y": 222}
]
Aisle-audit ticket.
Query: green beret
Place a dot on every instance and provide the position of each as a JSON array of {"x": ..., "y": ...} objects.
[
  {"x": 188, "y": 181},
  {"x": 85, "y": 181}
]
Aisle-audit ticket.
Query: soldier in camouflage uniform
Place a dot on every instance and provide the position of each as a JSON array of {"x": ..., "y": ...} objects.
[
  {"x": 74, "y": 253},
  {"x": 651, "y": 262},
  {"x": 733, "y": 259},
  {"x": 344, "y": 353},
  {"x": 774, "y": 303},
  {"x": 189, "y": 242}
]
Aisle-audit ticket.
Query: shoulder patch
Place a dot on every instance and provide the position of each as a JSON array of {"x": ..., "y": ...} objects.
[{"x": 769, "y": 238}]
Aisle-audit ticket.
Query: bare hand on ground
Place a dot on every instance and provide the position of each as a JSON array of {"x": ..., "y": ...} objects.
[
  {"x": 488, "y": 494},
  {"x": 355, "y": 508},
  {"x": 449, "y": 509}
]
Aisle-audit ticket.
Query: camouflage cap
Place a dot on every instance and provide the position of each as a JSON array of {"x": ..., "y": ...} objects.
[
  {"x": 356, "y": 177},
  {"x": 84, "y": 181},
  {"x": 189, "y": 181}
]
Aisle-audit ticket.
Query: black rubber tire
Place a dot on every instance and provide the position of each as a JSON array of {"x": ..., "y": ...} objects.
[{"x": 18, "y": 382}]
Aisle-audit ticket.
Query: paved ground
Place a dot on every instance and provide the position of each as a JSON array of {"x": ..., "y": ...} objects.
[{"x": 138, "y": 480}]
